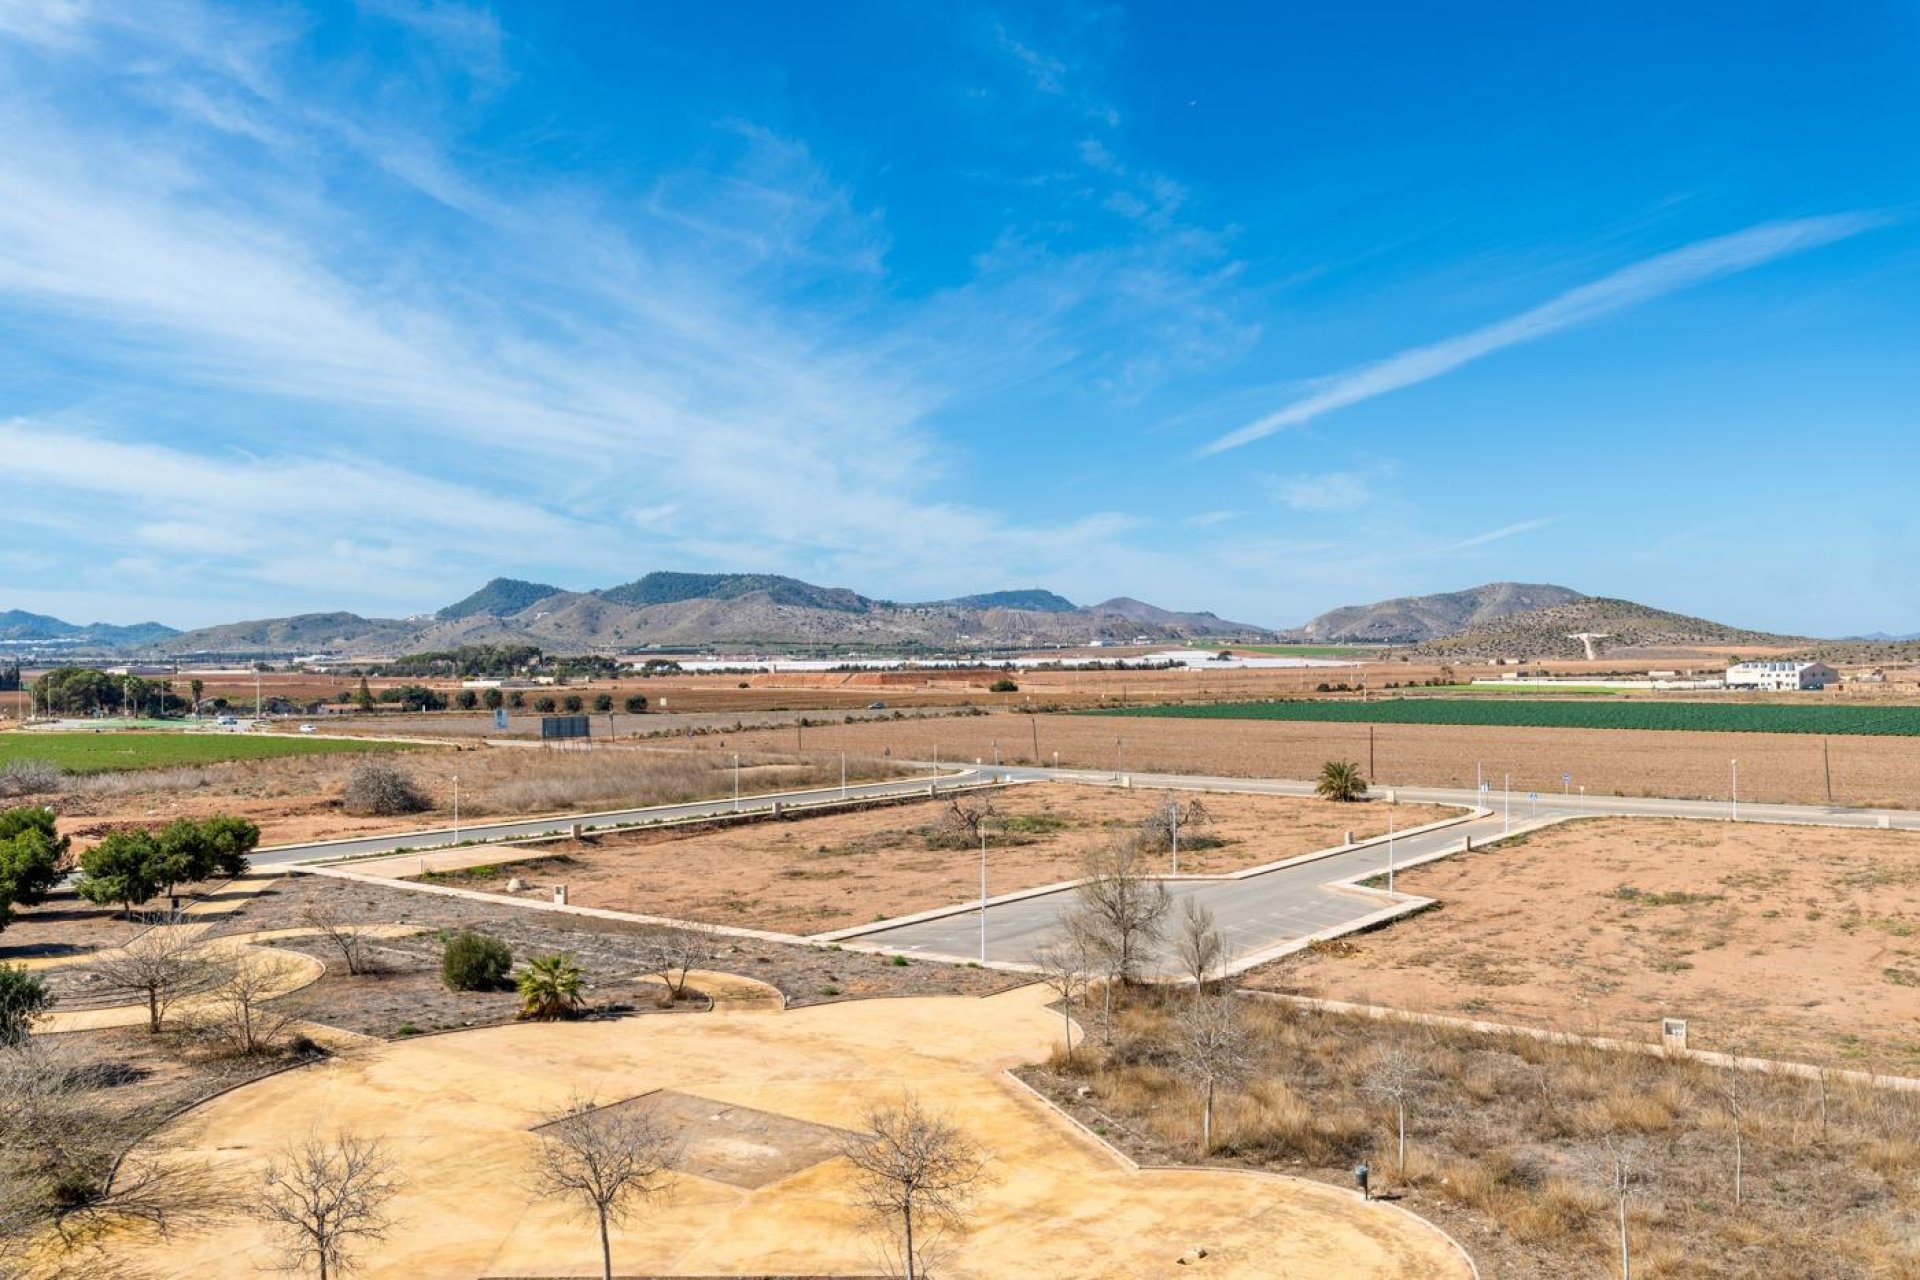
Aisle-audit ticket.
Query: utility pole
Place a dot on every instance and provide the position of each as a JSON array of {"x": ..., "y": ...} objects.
[
  {"x": 1389, "y": 850},
  {"x": 259, "y": 707},
  {"x": 1736, "y": 791},
  {"x": 456, "y": 808},
  {"x": 1173, "y": 803},
  {"x": 1373, "y": 772},
  {"x": 1033, "y": 720},
  {"x": 1506, "y": 823},
  {"x": 1826, "y": 764},
  {"x": 736, "y": 782},
  {"x": 843, "y": 775}
]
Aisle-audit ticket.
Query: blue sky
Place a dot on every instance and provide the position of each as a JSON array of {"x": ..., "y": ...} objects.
[{"x": 1257, "y": 308}]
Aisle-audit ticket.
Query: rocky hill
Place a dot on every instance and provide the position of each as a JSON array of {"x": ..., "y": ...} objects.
[
  {"x": 730, "y": 610},
  {"x": 1632, "y": 630},
  {"x": 27, "y": 628},
  {"x": 1415, "y": 620}
]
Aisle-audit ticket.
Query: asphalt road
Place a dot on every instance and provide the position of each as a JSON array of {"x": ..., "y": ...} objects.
[
  {"x": 439, "y": 837},
  {"x": 1261, "y": 912}
]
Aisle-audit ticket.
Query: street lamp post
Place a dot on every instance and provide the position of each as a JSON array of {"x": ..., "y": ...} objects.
[
  {"x": 1389, "y": 850},
  {"x": 843, "y": 775},
  {"x": 1736, "y": 791},
  {"x": 736, "y": 782},
  {"x": 1173, "y": 803},
  {"x": 1506, "y": 823},
  {"x": 456, "y": 808}
]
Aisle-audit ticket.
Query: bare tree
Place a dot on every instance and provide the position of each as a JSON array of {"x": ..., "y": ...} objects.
[
  {"x": 1163, "y": 829},
  {"x": 915, "y": 1171},
  {"x": 1734, "y": 1096},
  {"x": 1197, "y": 944},
  {"x": 159, "y": 966},
  {"x": 323, "y": 1199},
  {"x": 1214, "y": 1050},
  {"x": 1394, "y": 1079},
  {"x": 1620, "y": 1166},
  {"x": 1067, "y": 965},
  {"x": 603, "y": 1161},
  {"x": 671, "y": 950},
  {"x": 354, "y": 945},
  {"x": 961, "y": 823},
  {"x": 235, "y": 1009},
  {"x": 1122, "y": 909},
  {"x": 64, "y": 1182}
]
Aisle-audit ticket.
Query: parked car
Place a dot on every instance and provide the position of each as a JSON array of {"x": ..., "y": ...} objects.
[
  {"x": 876, "y": 706},
  {"x": 306, "y": 728}
]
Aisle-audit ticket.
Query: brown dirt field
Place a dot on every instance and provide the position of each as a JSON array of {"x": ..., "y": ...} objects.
[
  {"x": 297, "y": 798},
  {"x": 1796, "y": 942},
  {"x": 814, "y": 875},
  {"x": 1782, "y": 768}
]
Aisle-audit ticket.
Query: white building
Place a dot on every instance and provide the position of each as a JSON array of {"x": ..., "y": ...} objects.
[{"x": 1780, "y": 675}]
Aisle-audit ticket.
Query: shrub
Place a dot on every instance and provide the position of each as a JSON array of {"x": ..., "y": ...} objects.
[
  {"x": 603, "y": 702},
  {"x": 29, "y": 778},
  {"x": 636, "y": 704},
  {"x": 1003, "y": 685},
  {"x": 475, "y": 962},
  {"x": 23, "y": 997},
  {"x": 551, "y": 987},
  {"x": 544, "y": 704},
  {"x": 572, "y": 704},
  {"x": 381, "y": 788},
  {"x": 516, "y": 700}
]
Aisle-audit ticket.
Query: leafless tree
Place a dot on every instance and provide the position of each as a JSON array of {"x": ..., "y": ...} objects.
[
  {"x": 604, "y": 1161},
  {"x": 1198, "y": 945},
  {"x": 1214, "y": 1050},
  {"x": 159, "y": 967},
  {"x": 1620, "y": 1164},
  {"x": 1067, "y": 965},
  {"x": 1162, "y": 829},
  {"x": 670, "y": 951},
  {"x": 914, "y": 1172},
  {"x": 64, "y": 1182},
  {"x": 323, "y": 1199},
  {"x": 1735, "y": 1096},
  {"x": 1394, "y": 1079},
  {"x": 354, "y": 945},
  {"x": 235, "y": 1009},
  {"x": 961, "y": 823},
  {"x": 1122, "y": 910}
]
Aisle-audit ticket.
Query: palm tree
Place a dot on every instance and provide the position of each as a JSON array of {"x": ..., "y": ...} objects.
[
  {"x": 551, "y": 987},
  {"x": 1340, "y": 780}
]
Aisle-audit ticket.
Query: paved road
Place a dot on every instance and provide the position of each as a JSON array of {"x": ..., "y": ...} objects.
[
  {"x": 439, "y": 837},
  {"x": 1265, "y": 911}
]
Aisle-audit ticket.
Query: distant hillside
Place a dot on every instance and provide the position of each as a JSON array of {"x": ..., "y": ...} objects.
[
  {"x": 672, "y": 588},
  {"x": 1414, "y": 620},
  {"x": 1033, "y": 600},
  {"x": 733, "y": 610},
  {"x": 1632, "y": 630},
  {"x": 498, "y": 599},
  {"x": 19, "y": 625}
]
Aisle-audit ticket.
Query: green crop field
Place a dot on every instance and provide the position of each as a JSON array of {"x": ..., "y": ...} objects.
[
  {"x": 105, "y": 752},
  {"x": 1300, "y": 650},
  {"x": 1552, "y": 714}
]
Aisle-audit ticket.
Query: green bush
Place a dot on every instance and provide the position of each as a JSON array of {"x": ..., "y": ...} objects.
[
  {"x": 544, "y": 704},
  {"x": 603, "y": 702},
  {"x": 475, "y": 962},
  {"x": 1003, "y": 685},
  {"x": 637, "y": 704},
  {"x": 23, "y": 997}
]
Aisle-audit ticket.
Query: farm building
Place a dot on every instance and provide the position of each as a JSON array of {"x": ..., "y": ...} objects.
[{"x": 1780, "y": 675}]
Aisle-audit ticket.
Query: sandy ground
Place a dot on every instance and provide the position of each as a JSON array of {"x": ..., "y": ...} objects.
[
  {"x": 816, "y": 874},
  {"x": 1796, "y": 942},
  {"x": 457, "y": 1113},
  {"x": 1773, "y": 767}
]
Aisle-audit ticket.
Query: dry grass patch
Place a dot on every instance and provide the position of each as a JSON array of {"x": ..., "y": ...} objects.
[{"x": 1506, "y": 1144}]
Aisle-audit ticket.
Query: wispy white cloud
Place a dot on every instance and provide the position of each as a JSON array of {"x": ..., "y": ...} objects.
[
  {"x": 1494, "y": 535},
  {"x": 1326, "y": 491},
  {"x": 1628, "y": 287}
]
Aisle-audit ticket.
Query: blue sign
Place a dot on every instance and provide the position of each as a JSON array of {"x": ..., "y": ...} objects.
[
  {"x": 499, "y": 717},
  {"x": 1565, "y": 778}
]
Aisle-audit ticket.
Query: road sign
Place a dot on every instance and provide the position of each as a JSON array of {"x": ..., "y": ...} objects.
[
  {"x": 1565, "y": 778},
  {"x": 499, "y": 717},
  {"x": 1533, "y": 796}
]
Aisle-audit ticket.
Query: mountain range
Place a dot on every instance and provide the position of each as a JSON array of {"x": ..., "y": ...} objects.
[
  {"x": 739, "y": 610},
  {"x": 753, "y": 610}
]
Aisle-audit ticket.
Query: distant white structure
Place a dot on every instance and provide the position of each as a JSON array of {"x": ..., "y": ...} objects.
[{"x": 1780, "y": 675}]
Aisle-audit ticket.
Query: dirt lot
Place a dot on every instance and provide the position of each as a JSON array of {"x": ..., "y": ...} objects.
[
  {"x": 813, "y": 875},
  {"x": 1797, "y": 942},
  {"x": 1773, "y": 767},
  {"x": 299, "y": 798}
]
